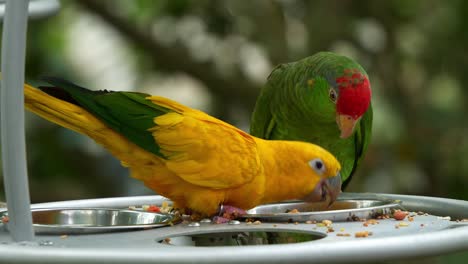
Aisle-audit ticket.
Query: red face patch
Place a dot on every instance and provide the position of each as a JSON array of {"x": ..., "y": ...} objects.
[{"x": 354, "y": 94}]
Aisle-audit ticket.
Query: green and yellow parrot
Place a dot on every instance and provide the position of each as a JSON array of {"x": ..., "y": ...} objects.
[
  {"x": 196, "y": 160},
  {"x": 324, "y": 99}
]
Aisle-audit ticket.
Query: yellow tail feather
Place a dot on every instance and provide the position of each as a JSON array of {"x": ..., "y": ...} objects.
[{"x": 77, "y": 119}]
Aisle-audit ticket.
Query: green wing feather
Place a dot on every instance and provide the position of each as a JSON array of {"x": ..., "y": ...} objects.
[
  {"x": 128, "y": 113},
  {"x": 262, "y": 122},
  {"x": 361, "y": 138}
]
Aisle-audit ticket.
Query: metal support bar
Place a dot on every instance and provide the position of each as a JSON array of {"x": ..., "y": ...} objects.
[
  {"x": 12, "y": 120},
  {"x": 38, "y": 9}
]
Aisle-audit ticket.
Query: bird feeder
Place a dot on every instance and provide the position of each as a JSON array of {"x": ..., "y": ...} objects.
[{"x": 358, "y": 227}]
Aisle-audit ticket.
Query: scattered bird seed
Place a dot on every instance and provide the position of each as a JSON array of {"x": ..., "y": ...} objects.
[
  {"x": 362, "y": 234},
  {"x": 343, "y": 234},
  {"x": 403, "y": 224},
  {"x": 327, "y": 222}
]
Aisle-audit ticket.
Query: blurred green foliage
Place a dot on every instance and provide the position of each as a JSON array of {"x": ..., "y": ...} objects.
[
  {"x": 216, "y": 54},
  {"x": 414, "y": 51}
]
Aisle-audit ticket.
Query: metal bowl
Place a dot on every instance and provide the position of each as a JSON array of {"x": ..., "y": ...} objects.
[
  {"x": 94, "y": 220},
  {"x": 340, "y": 210}
]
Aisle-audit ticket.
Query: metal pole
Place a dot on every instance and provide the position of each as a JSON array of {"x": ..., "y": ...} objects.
[{"x": 12, "y": 120}]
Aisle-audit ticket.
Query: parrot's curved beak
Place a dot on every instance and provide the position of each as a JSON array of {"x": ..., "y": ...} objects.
[
  {"x": 326, "y": 190},
  {"x": 346, "y": 124}
]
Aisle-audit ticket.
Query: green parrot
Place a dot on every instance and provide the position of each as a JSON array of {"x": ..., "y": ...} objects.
[{"x": 324, "y": 99}]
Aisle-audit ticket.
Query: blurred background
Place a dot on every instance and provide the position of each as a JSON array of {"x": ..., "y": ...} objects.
[{"x": 215, "y": 55}]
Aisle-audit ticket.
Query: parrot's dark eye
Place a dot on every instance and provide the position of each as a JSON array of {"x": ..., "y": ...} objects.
[
  {"x": 332, "y": 94},
  {"x": 317, "y": 165}
]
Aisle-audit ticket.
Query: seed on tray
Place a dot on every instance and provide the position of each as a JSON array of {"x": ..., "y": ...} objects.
[
  {"x": 370, "y": 222},
  {"x": 343, "y": 234},
  {"x": 362, "y": 234},
  {"x": 153, "y": 209},
  {"x": 403, "y": 224},
  {"x": 399, "y": 215}
]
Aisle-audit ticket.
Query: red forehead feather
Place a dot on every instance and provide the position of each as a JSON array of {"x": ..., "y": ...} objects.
[{"x": 354, "y": 95}]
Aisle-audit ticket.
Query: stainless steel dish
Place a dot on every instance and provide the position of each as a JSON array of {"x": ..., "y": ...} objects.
[
  {"x": 94, "y": 220},
  {"x": 340, "y": 210}
]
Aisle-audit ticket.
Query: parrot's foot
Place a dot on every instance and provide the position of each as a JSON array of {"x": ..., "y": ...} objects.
[
  {"x": 220, "y": 220},
  {"x": 227, "y": 213},
  {"x": 231, "y": 212}
]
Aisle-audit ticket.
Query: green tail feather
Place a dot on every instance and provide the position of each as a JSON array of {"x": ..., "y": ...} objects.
[{"x": 128, "y": 113}]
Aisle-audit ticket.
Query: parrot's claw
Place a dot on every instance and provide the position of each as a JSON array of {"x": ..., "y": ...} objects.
[
  {"x": 220, "y": 220},
  {"x": 230, "y": 212}
]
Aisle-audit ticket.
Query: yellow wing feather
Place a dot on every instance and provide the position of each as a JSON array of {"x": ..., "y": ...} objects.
[{"x": 201, "y": 151}]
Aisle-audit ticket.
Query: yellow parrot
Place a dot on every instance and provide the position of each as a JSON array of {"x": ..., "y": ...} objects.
[{"x": 194, "y": 159}]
